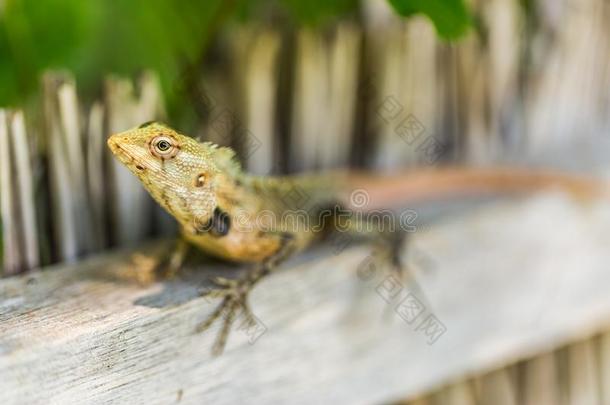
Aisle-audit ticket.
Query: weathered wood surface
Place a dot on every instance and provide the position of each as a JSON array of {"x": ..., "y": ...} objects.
[{"x": 507, "y": 282}]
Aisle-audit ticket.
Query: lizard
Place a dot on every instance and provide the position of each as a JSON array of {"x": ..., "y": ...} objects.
[{"x": 239, "y": 217}]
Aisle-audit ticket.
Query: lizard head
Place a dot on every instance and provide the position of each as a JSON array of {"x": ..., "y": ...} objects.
[{"x": 183, "y": 175}]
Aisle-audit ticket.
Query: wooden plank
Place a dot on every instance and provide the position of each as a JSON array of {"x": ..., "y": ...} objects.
[{"x": 505, "y": 283}]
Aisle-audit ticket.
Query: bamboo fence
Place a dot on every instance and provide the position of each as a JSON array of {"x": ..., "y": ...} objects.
[{"x": 382, "y": 94}]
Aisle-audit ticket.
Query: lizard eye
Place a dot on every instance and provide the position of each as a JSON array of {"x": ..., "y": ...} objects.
[{"x": 164, "y": 147}]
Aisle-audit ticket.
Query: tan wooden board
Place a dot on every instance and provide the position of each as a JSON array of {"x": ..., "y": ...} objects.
[{"x": 507, "y": 281}]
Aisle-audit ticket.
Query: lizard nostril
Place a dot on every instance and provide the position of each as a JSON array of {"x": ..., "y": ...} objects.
[{"x": 139, "y": 167}]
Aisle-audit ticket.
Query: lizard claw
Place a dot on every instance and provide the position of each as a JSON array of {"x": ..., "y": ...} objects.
[
  {"x": 234, "y": 294},
  {"x": 225, "y": 282}
]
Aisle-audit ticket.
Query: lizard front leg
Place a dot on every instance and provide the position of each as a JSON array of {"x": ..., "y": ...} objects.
[
  {"x": 389, "y": 243},
  {"x": 234, "y": 294},
  {"x": 172, "y": 261}
]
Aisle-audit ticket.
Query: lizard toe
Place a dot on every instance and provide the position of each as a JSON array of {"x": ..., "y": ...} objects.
[{"x": 234, "y": 301}]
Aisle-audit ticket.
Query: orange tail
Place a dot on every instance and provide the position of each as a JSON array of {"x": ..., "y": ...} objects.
[{"x": 422, "y": 185}]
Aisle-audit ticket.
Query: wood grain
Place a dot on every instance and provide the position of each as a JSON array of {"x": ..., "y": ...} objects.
[{"x": 507, "y": 282}]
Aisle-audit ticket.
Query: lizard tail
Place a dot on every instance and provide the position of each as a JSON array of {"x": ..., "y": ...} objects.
[{"x": 416, "y": 186}]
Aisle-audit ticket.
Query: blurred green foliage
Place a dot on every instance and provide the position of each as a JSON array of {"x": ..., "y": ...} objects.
[
  {"x": 319, "y": 11},
  {"x": 93, "y": 38},
  {"x": 32, "y": 38},
  {"x": 450, "y": 17}
]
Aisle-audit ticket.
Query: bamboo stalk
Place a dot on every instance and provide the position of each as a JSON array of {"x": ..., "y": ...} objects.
[
  {"x": 11, "y": 258},
  {"x": 336, "y": 139},
  {"x": 461, "y": 393},
  {"x": 72, "y": 151},
  {"x": 311, "y": 97},
  {"x": 25, "y": 179},
  {"x": 540, "y": 381},
  {"x": 63, "y": 189},
  {"x": 603, "y": 350},
  {"x": 96, "y": 178},
  {"x": 503, "y": 24},
  {"x": 258, "y": 134},
  {"x": 497, "y": 388},
  {"x": 583, "y": 375},
  {"x": 133, "y": 206}
]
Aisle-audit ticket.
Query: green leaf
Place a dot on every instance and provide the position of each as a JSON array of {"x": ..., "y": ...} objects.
[
  {"x": 37, "y": 35},
  {"x": 315, "y": 12},
  {"x": 450, "y": 17}
]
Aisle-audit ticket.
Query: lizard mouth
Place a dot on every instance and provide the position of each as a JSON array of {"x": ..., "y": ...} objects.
[{"x": 121, "y": 153}]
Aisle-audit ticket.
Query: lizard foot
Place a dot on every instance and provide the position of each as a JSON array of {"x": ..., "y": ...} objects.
[
  {"x": 396, "y": 245},
  {"x": 390, "y": 252},
  {"x": 234, "y": 295}
]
